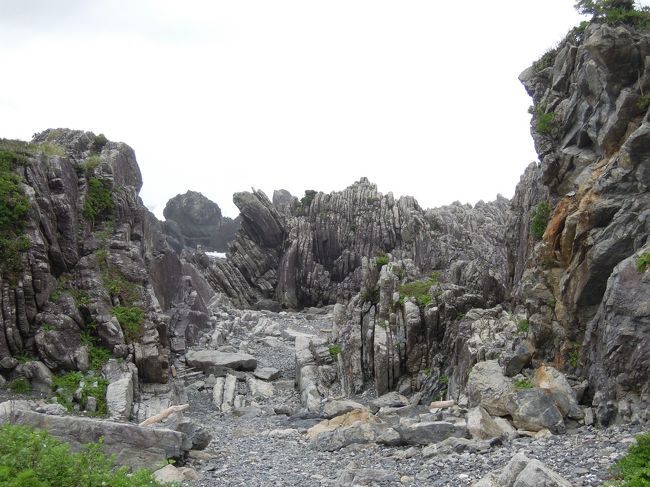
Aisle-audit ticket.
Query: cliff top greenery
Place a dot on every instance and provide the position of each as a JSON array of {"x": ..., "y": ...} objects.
[{"x": 615, "y": 12}]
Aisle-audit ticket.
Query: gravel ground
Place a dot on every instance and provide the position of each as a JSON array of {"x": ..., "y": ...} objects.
[
  {"x": 271, "y": 450},
  {"x": 261, "y": 448}
]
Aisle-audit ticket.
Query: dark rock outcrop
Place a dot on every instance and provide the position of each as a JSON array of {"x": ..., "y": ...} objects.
[{"x": 193, "y": 221}]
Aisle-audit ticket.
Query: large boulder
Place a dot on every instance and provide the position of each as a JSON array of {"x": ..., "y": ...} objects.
[
  {"x": 553, "y": 381},
  {"x": 489, "y": 388},
  {"x": 482, "y": 426},
  {"x": 522, "y": 471},
  {"x": 132, "y": 445},
  {"x": 534, "y": 410},
  {"x": 212, "y": 360}
]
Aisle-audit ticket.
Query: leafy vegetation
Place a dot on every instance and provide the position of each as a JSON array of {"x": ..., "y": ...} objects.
[
  {"x": 381, "y": 260},
  {"x": 546, "y": 61},
  {"x": 14, "y": 209},
  {"x": 306, "y": 200},
  {"x": 97, "y": 355},
  {"x": 371, "y": 296},
  {"x": 131, "y": 319},
  {"x": 523, "y": 384},
  {"x": 444, "y": 379},
  {"x": 574, "y": 356},
  {"x": 615, "y": 12},
  {"x": 643, "y": 262},
  {"x": 99, "y": 202},
  {"x": 546, "y": 123},
  {"x": 334, "y": 350},
  {"x": 418, "y": 290},
  {"x": 643, "y": 103},
  {"x": 65, "y": 286},
  {"x": 66, "y": 385},
  {"x": 33, "y": 458},
  {"x": 98, "y": 143},
  {"x": 20, "y": 386},
  {"x": 522, "y": 326},
  {"x": 539, "y": 219},
  {"x": 633, "y": 470}
]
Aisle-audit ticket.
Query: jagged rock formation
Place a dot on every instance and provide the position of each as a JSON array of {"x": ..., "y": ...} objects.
[
  {"x": 192, "y": 221},
  {"x": 314, "y": 253}
]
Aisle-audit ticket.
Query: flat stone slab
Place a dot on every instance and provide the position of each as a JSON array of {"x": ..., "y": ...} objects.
[
  {"x": 267, "y": 373},
  {"x": 133, "y": 445},
  {"x": 209, "y": 359}
]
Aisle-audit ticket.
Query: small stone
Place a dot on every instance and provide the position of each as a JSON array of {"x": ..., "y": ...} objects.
[{"x": 91, "y": 404}]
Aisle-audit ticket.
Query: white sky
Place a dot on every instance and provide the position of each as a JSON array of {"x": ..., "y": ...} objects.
[{"x": 421, "y": 97}]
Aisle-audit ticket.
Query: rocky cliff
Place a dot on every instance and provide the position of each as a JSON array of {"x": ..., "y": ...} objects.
[{"x": 93, "y": 277}]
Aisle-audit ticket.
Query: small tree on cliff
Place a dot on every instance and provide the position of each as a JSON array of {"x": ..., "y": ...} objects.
[
  {"x": 615, "y": 12},
  {"x": 598, "y": 8}
]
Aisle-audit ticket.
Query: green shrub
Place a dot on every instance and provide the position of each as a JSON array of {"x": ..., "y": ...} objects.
[
  {"x": 381, "y": 260},
  {"x": 574, "y": 356},
  {"x": 334, "y": 350},
  {"x": 131, "y": 319},
  {"x": 443, "y": 379},
  {"x": 14, "y": 211},
  {"x": 546, "y": 123},
  {"x": 98, "y": 143},
  {"x": 643, "y": 103},
  {"x": 418, "y": 290},
  {"x": 99, "y": 202},
  {"x": 92, "y": 384},
  {"x": 643, "y": 262},
  {"x": 523, "y": 384},
  {"x": 32, "y": 458},
  {"x": 546, "y": 61},
  {"x": 371, "y": 296},
  {"x": 633, "y": 470},
  {"x": 97, "y": 355},
  {"x": 522, "y": 326},
  {"x": 20, "y": 386},
  {"x": 539, "y": 219},
  {"x": 306, "y": 200}
]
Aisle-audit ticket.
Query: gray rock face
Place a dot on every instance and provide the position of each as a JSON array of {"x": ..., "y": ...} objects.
[
  {"x": 208, "y": 360},
  {"x": 193, "y": 220},
  {"x": 617, "y": 346},
  {"x": 93, "y": 248},
  {"x": 594, "y": 164},
  {"x": 135, "y": 446}
]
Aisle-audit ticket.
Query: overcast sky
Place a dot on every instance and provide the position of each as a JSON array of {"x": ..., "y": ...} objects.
[{"x": 421, "y": 97}]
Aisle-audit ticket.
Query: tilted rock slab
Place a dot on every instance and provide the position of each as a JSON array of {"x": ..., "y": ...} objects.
[
  {"x": 133, "y": 445},
  {"x": 211, "y": 359}
]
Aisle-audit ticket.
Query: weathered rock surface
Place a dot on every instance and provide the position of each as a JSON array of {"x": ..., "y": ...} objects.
[
  {"x": 524, "y": 472},
  {"x": 208, "y": 360},
  {"x": 133, "y": 445},
  {"x": 192, "y": 221}
]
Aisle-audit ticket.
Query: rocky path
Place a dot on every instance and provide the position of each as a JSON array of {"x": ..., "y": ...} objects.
[{"x": 255, "y": 446}]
